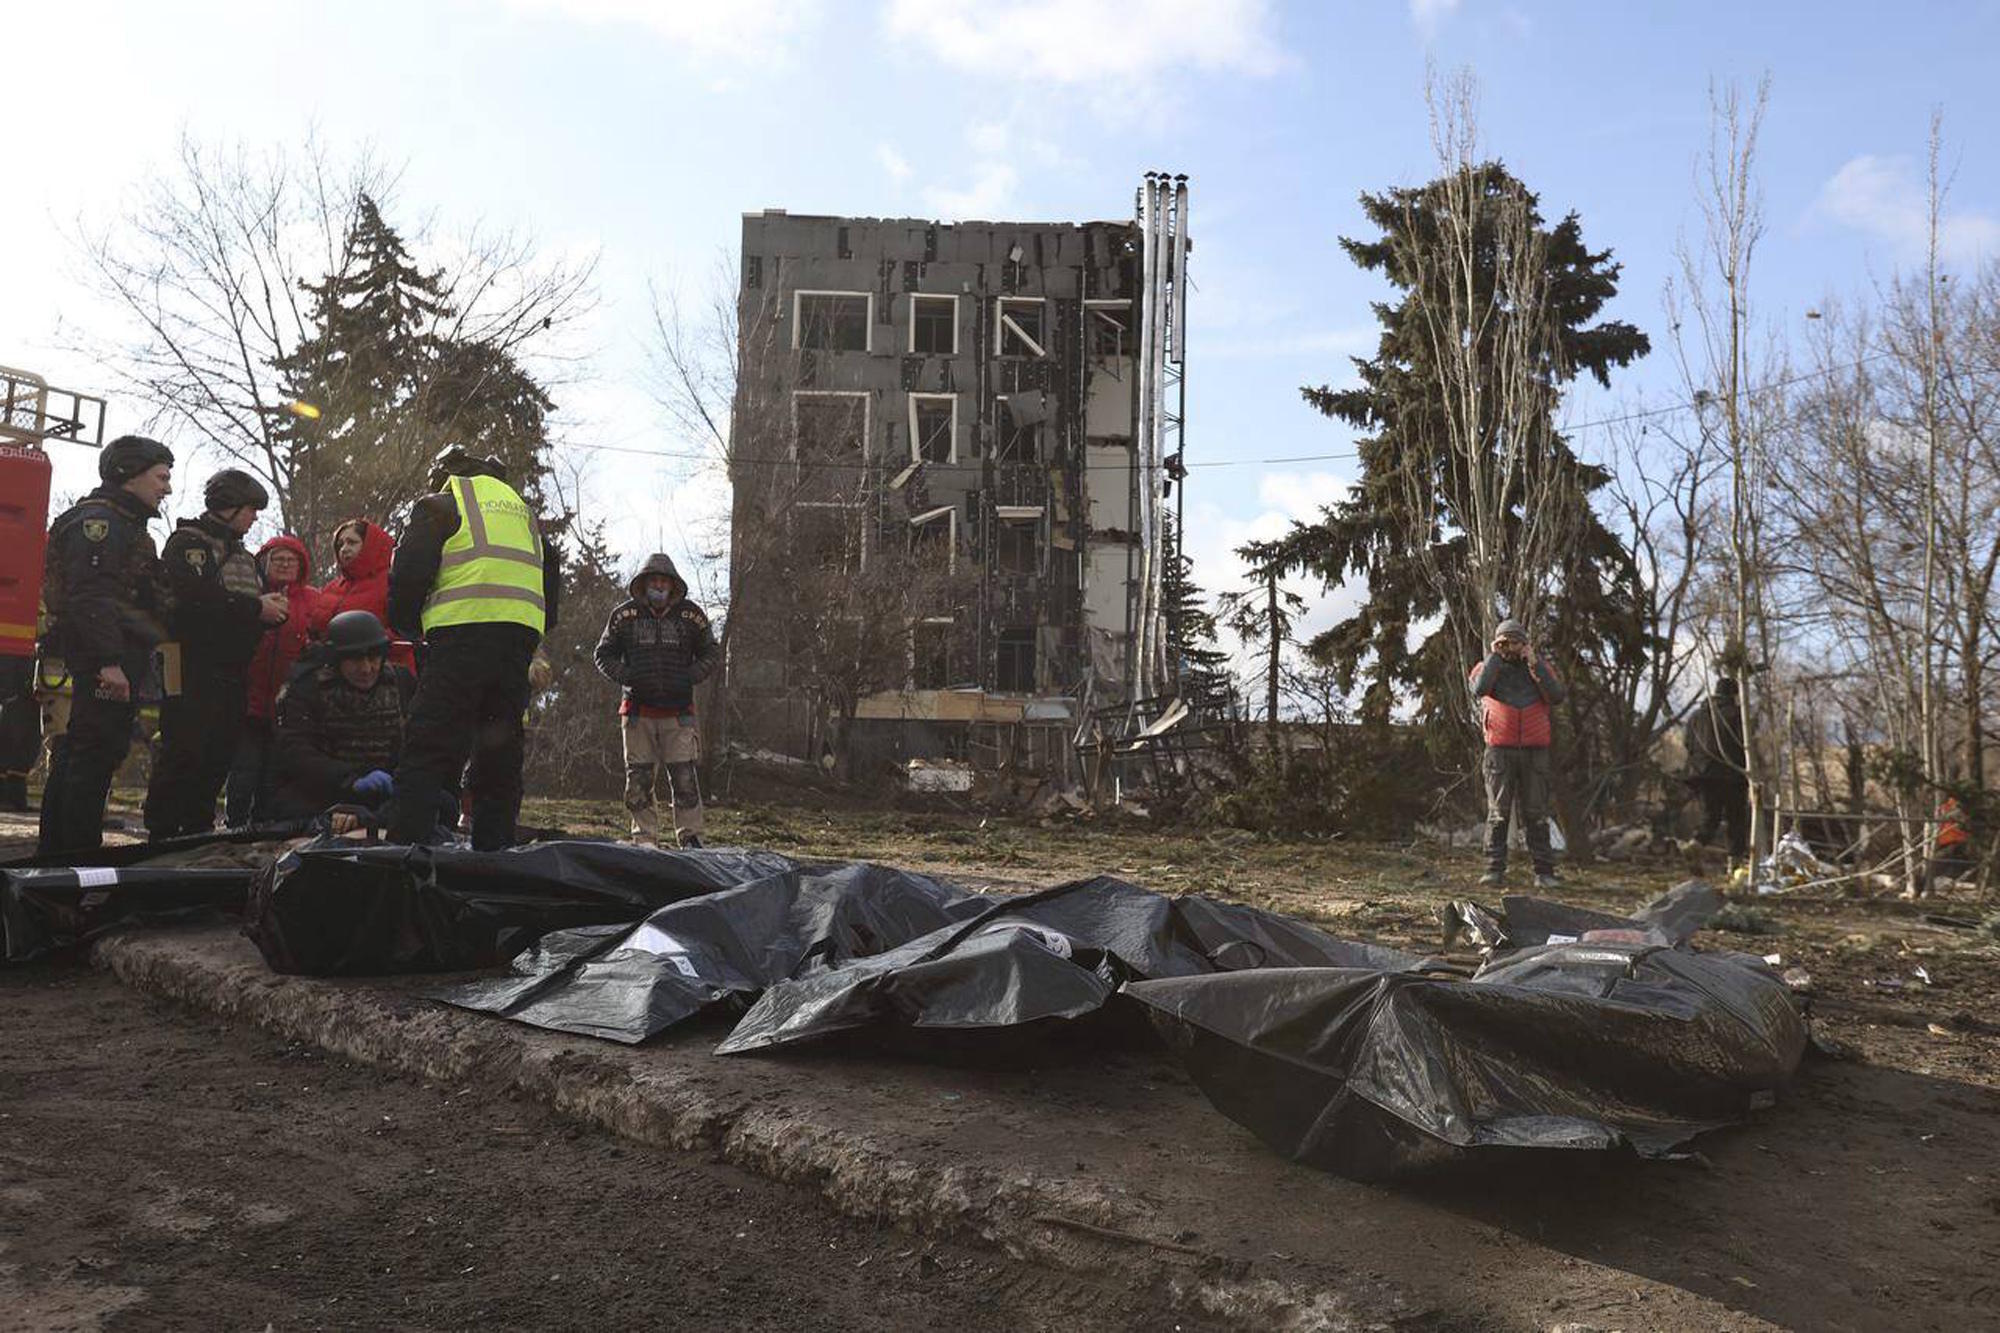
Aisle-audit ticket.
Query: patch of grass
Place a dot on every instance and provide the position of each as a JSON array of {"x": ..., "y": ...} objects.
[{"x": 1744, "y": 919}]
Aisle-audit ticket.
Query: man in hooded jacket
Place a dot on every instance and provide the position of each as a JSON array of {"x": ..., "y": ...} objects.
[{"x": 658, "y": 647}]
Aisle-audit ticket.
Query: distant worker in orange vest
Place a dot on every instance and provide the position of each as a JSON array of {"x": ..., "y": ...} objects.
[
  {"x": 1515, "y": 690},
  {"x": 1952, "y": 855}
]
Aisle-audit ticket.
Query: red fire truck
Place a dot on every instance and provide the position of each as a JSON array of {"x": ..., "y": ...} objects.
[{"x": 31, "y": 415}]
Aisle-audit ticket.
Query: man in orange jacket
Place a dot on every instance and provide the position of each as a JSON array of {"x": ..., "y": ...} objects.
[
  {"x": 1953, "y": 855},
  {"x": 1515, "y": 690}
]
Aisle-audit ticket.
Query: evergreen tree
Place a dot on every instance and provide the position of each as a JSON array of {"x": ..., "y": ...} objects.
[
  {"x": 1412, "y": 483},
  {"x": 478, "y": 396},
  {"x": 373, "y": 350},
  {"x": 1265, "y": 614},
  {"x": 1191, "y": 638}
]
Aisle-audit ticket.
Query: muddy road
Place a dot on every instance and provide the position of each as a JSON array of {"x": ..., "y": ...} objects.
[{"x": 161, "y": 1171}]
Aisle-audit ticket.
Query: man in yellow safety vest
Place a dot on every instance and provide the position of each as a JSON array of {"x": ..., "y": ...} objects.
[{"x": 474, "y": 580}]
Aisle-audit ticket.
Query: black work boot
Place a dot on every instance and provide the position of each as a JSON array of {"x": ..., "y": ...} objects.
[{"x": 690, "y": 841}]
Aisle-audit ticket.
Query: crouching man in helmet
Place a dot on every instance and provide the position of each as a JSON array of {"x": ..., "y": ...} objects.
[{"x": 340, "y": 722}]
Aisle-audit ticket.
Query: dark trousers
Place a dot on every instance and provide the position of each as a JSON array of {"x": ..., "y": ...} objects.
[
  {"x": 82, "y": 762},
  {"x": 247, "y": 795},
  {"x": 1724, "y": 801},
  {"x": 20, "y": 730},
  {"x": 198, "y": 733},
  {"x": 469, "y": 704},
  {"x": 1517, "y": 780}
]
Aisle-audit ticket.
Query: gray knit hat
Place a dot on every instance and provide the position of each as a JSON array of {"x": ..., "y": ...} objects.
[{"x": 1511, "y": 628}]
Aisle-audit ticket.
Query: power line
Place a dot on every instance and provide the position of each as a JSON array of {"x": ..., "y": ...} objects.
[
  {"x": 966, "y": 465},
  {"x": 1641, "y": 414}
]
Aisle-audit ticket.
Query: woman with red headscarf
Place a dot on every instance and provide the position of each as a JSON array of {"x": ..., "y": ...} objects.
[
  {"x": 361, "y": 554},
  {"x": 287, "y": 568}
]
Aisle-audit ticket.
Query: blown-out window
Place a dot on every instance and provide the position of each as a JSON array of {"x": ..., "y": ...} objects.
[
  {"x": 934, "y": 427},
  {"x": 1014, "y": 667},
  {"x": 934, "y": 325},
  {"x": 930, "y": 653},
  {"x": 934, "y": 538},
  {"x": 832, "y": 321},
  {"x": 1020, "y": 326}
]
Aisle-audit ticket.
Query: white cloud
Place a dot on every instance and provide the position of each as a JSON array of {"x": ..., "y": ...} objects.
[
  {"x": 989, "y": 196},
  {"x": 893, "y": 162},
  {"x": 989, "y": 139},
  {"x": 1302, "y": 495},
  {"x": 1213, "y": 534},
  {"x": 1429, "y": 15},
  {"x": 1083, "y": 41},
  {"x": 739, "y": 32},
  {"x": 1884, "y": 197},
  {"x": 1320, "y": 343}
]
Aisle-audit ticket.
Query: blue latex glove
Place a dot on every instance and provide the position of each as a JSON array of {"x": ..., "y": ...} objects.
[{"x": 374, "y": 784}]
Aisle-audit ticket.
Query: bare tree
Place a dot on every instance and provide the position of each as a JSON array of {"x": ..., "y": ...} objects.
[
  {"x": 1662, "y": 499},
  {"x": 1507, "y": 495},
  {"x": 209, "y": 261},
  {"x": 212, "y": 261},
  {"x": 1714, "y": 327},
  {"x": 720, "y": 378}
]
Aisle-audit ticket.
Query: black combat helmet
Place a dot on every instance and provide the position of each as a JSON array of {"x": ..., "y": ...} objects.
[
  {"x": 129, "y": 455},
  {"x": 456, "y": 461},
  {"x": 233, "y": 488},
  {"x": 356, "y": 633}
]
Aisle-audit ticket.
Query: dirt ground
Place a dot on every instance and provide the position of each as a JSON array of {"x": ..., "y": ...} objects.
[
  {"x": 159, "y": 1171},
  {"x": 1869, "y": 1198}
]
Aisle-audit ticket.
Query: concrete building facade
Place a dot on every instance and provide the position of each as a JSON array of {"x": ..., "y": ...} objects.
[{"x": 977, "y": 388}]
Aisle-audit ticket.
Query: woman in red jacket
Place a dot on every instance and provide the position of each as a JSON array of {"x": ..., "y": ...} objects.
[
  {"x": 362, "y": 552},
  {"x": 287, "y": 568}
]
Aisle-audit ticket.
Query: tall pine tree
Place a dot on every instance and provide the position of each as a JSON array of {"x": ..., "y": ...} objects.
[
  {"x": 1191, "y": 638},
  {"x": 374, "y": 348},
  {"x": 1492, "y": 306},
  {"x": 1403, "y": 449}
]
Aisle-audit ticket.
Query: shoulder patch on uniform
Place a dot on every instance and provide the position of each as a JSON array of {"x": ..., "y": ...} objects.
[
  {"x": 96, "y": 529},
  {"x": 197, "y": 556}
]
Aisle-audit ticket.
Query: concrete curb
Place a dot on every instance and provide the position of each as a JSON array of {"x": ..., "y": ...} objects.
[{"x": 1094, "y": 1231}]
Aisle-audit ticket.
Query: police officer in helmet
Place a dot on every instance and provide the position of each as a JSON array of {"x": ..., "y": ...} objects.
[
  {"x": 340, "y": 722},
  {"x": 220, "y": 611},
  {"x": 473, "y": 577},
  {"x": 105, "y": 600}
]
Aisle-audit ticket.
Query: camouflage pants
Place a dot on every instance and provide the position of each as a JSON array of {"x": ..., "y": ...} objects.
[{"x": 650, "y": 744}]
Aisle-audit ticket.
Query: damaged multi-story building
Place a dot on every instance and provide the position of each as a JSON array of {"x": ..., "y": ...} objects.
[{"x": 1004, "y": 396}]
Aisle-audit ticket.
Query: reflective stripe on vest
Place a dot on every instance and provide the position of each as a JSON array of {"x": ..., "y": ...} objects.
[{"x": 490, "y": 570}]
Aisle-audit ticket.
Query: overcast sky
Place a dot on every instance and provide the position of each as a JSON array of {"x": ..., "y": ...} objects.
[{"x": 643, "y": 129}]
